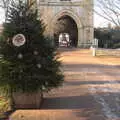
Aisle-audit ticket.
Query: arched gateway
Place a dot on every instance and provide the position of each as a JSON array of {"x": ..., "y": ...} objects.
[{"x": 72, "y": 17}]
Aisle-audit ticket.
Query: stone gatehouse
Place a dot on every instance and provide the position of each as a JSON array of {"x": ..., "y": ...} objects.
[{"x": 74, "y": 17}]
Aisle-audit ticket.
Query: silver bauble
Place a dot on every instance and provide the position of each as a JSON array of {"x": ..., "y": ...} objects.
[
  {"x": 39, "y": 65},
  {"x": 35, "y": 52},
  {"x": 20, "y": 56}
]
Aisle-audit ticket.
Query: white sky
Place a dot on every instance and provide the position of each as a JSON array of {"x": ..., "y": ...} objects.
[
  {"x": 99, "y": 21},
  {"x": 1, "y": 16}
]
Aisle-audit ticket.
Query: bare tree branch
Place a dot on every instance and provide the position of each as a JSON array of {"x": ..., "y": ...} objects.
[
  {"x": 5, "y": 4},
  {"x": 109, "y": 10}
]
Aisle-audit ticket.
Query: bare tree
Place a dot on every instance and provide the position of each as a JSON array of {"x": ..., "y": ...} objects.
[
  {"x": 109, "y": 10},
  {"x": 4, "y": 4}
]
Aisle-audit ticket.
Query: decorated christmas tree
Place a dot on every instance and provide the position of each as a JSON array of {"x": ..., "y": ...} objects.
[{"x": 28, "y": 60}]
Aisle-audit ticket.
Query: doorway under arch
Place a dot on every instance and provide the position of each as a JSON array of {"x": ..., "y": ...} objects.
[{"x": 66, "y": 24}]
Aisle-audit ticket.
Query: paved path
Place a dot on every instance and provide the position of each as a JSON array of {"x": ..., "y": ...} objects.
[{"x": 90, "y": 91}]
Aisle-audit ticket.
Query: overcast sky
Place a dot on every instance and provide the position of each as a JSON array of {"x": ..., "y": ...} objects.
[
  {"x": 1, "y": 16},
  {"x": 99, "y": 21}
]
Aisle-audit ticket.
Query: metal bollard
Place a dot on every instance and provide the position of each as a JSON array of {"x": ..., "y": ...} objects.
[{"x": 94, "y": 51}]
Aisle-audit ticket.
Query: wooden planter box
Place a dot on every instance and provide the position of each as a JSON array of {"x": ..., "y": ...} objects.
[{"x": 27, "y": 100}]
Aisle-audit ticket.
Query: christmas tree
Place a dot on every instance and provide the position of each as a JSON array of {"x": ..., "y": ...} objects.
[{"x": 28, "y": 60}]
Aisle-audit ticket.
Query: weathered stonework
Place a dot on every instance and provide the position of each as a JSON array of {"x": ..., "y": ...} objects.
[{"x": 79, "y": 10}]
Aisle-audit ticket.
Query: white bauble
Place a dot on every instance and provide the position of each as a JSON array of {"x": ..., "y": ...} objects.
[
  {"x": 20, "y": 56},
  {"x": 18, "y": 40}
]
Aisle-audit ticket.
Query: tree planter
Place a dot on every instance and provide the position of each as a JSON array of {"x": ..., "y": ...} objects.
[
  {"x": 27, "y": 100},
  {"x": 28, "y": 60}
]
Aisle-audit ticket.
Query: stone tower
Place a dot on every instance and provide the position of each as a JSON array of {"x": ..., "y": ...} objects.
[{"x": 77, "y": 12}]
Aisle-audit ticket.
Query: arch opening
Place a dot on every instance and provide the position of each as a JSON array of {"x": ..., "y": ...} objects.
[{"x": 66, "y": 26}]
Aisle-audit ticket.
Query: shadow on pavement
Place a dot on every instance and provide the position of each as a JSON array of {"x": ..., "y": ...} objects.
[
  {"x": 90, "y": 82},
  {"x": 71, "y": 102}
]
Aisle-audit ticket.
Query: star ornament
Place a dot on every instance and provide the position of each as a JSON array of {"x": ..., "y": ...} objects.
[{"x": 18, "y": 40}]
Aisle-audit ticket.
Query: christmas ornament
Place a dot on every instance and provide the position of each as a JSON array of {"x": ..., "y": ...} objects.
[
  {"x": 18, "y": 40},
  {"x": 35, "y": 52},
  {"x": 20, "y": 56},
  {"x": 21, "y": 14},
  {"x": 49, "y": 57},
  {"x": 39, "y": 65}
]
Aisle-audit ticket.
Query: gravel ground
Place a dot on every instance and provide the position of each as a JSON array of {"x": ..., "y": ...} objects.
[{"x": 90, "y": 91}]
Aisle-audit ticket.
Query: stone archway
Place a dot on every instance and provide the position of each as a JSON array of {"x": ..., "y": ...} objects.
[
  {"x": 77, "y": 23},
  {"x": 66, "y": 25},
  {"x": 81, "y": 11}
]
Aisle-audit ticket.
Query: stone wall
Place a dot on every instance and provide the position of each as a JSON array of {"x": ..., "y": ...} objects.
[{"x": 79, "y": 10}]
